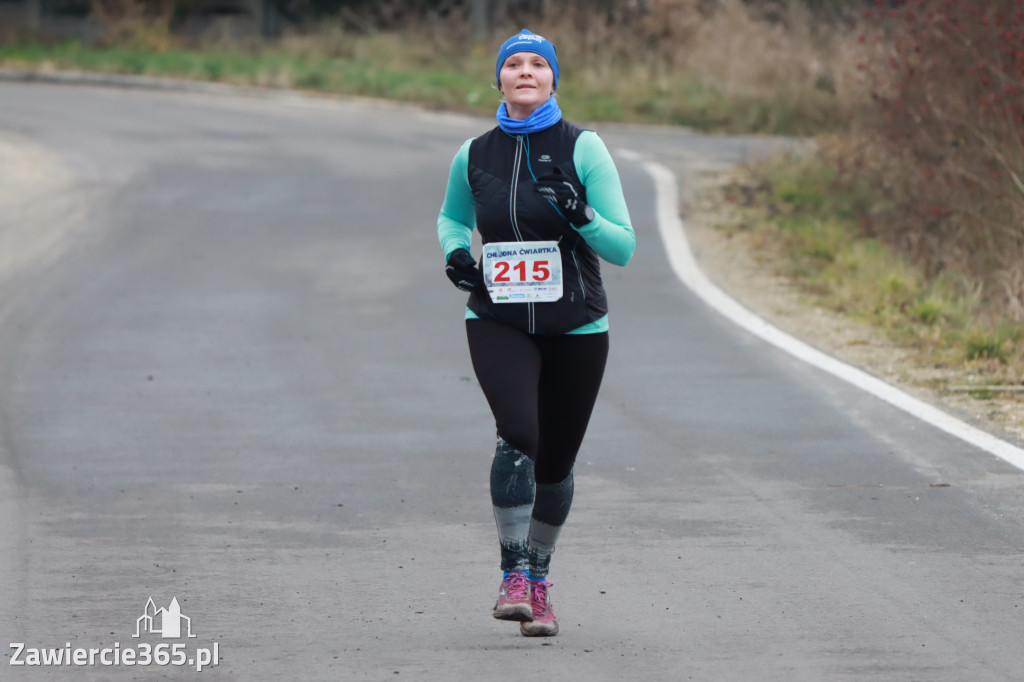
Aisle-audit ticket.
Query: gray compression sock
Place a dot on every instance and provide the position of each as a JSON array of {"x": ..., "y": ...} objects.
[{"x": 550, "y": 511}]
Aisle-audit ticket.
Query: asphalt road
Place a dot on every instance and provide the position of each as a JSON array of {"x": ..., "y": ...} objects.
[{"x": 233, "y": 373}]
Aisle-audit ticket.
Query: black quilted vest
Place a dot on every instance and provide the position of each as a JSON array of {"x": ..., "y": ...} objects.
[{"x": 502, "y": 168}]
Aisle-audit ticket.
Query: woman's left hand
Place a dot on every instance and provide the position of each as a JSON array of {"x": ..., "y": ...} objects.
[{"x": 567, "y": 196}]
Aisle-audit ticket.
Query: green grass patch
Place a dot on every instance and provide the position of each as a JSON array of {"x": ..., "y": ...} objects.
[{"x": 811, "y": 220}]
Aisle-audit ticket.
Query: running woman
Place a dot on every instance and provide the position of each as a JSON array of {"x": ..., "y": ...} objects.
[{"x": 547, "y": 200}]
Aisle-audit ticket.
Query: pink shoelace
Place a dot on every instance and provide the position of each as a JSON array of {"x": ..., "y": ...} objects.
[
  {"x": 518, "y": 586},
  {"x": 540, "y": 597}
]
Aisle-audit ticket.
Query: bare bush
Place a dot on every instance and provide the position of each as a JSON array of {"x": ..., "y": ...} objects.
[
  {"x": 135, "y": 23},
  {"x": 946, "y": 143}
]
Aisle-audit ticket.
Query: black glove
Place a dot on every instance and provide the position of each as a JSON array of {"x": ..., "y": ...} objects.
[
  {"x": 566, "y": 195},
  {"x": 462, "y": 270}
]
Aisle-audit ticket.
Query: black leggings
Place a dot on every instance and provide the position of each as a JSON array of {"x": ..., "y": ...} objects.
[{"x": 541, "y": 389}]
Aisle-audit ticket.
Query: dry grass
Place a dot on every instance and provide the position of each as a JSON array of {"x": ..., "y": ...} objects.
[{"x": 724, "y": 64}]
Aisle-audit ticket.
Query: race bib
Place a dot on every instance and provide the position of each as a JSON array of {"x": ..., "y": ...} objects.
[{"x": 522, "y": 272}]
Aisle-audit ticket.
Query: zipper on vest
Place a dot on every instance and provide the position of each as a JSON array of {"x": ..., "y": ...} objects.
[{"x": 517, "y": 164}]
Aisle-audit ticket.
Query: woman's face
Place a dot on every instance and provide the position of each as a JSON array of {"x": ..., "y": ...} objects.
[{"x": 527, "y": 82}]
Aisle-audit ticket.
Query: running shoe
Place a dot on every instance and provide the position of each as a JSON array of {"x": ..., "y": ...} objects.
[
  {"x": 543, "y": 623},
  {"x": 514, "y": 598}
]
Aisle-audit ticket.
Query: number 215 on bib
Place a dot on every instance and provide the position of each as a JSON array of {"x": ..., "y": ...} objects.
[{"x": 523, "y": 272}]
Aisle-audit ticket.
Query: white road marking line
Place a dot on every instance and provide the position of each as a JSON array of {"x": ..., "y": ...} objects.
[{"x": 673, "y": 234}]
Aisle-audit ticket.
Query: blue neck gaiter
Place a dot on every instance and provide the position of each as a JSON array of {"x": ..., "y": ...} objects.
[{"x": 543, "y": 117}]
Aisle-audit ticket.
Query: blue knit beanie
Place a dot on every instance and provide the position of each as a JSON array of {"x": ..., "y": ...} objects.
[{"x": 524, "y": 41}]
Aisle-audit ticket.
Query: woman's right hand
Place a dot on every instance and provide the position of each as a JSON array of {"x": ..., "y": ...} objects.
[{"x": 463, "y": 272}]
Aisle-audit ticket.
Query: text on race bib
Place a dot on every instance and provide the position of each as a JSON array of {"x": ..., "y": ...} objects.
[{"x": 522, "y": 272}]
